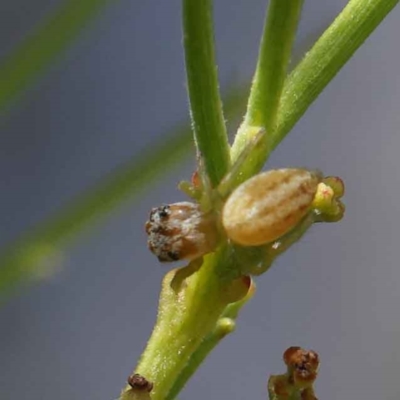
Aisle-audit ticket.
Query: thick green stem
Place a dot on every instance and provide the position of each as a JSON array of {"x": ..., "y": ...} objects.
[
  {"x": 225, "y": 325},
  {"x": 189, "y": 310},
  {"x": 171, "y": 347},
  {"x": 329, "y": 54},
  {"x": 205, "y": 103},
  {"x": 276, "y": 46}
]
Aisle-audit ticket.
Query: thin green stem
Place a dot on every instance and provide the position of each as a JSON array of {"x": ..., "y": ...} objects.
[
  {"x": 275, "y": 50},
  {"x": 319, "y": 66},
  {"x": 276, "y": 46},
  {"x": 329, "y": 54},
  {"x": 44, "y": 45},
  {"x": 205, "y": 103}
]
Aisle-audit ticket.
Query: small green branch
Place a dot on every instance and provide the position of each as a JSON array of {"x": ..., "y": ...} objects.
[
  {"x": 329, "y": 54},
  {"x": 274, "y": 55},
  {"x": 44, "y": 45},
  {"x": 320, "y": 65},
  {"x": 276, "y": 46},
  {"x": 205, "y": 103}
]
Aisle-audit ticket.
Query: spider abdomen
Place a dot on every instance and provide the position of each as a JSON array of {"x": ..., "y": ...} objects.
[{"x": 269, "y": 205}]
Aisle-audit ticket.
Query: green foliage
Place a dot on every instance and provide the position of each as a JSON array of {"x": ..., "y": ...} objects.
[{"x": 44, "y": 46}]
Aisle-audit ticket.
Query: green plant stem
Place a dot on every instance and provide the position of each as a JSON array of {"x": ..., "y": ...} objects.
[
  {"x": 188, "y": 312},
  {"x": 173, "y": 346},
  {"x": 200, "y": 354},
  {"x": 225, "y": 325},
  {"x": 329, "y": 54},
  {"x": 274, "y": 55},
  {"x": 275, "y": 50},
  {"x": 205, "y": 103},
  {"x": 43, "y": 46}
]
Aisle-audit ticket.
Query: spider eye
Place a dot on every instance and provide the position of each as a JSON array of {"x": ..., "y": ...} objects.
[{"x": 270, "y": 204}]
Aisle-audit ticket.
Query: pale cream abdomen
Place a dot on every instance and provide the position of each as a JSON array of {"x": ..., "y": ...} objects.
[{"x": 267, "y": 206}]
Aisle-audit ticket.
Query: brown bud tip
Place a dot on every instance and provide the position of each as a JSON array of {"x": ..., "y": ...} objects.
[
  {"x": 289, "y": 354},
  {"x": 302, "y": 365},
  {"x": 196, "y": 181},
  {"x": 140, "y": 383}
]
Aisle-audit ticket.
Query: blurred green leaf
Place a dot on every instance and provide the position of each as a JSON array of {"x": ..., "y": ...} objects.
[
  {"x": 22, "y": 259},
  {"x": 33, "y": 255},
  {"x": 43, "y": 47}
]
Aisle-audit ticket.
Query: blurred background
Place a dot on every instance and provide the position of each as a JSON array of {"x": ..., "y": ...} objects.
[{"x": 118, "y": 88}]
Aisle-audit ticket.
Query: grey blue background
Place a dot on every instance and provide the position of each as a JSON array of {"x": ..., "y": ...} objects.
[{"x": 115, "y": 92}]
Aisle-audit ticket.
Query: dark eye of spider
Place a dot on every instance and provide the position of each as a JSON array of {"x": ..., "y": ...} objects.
[{"x": 163, "y": 211}]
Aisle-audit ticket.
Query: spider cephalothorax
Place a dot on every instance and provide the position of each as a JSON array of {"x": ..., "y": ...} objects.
[
  {"x": 268, "y": 205},
  {"x": 180, "y": 231}
]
